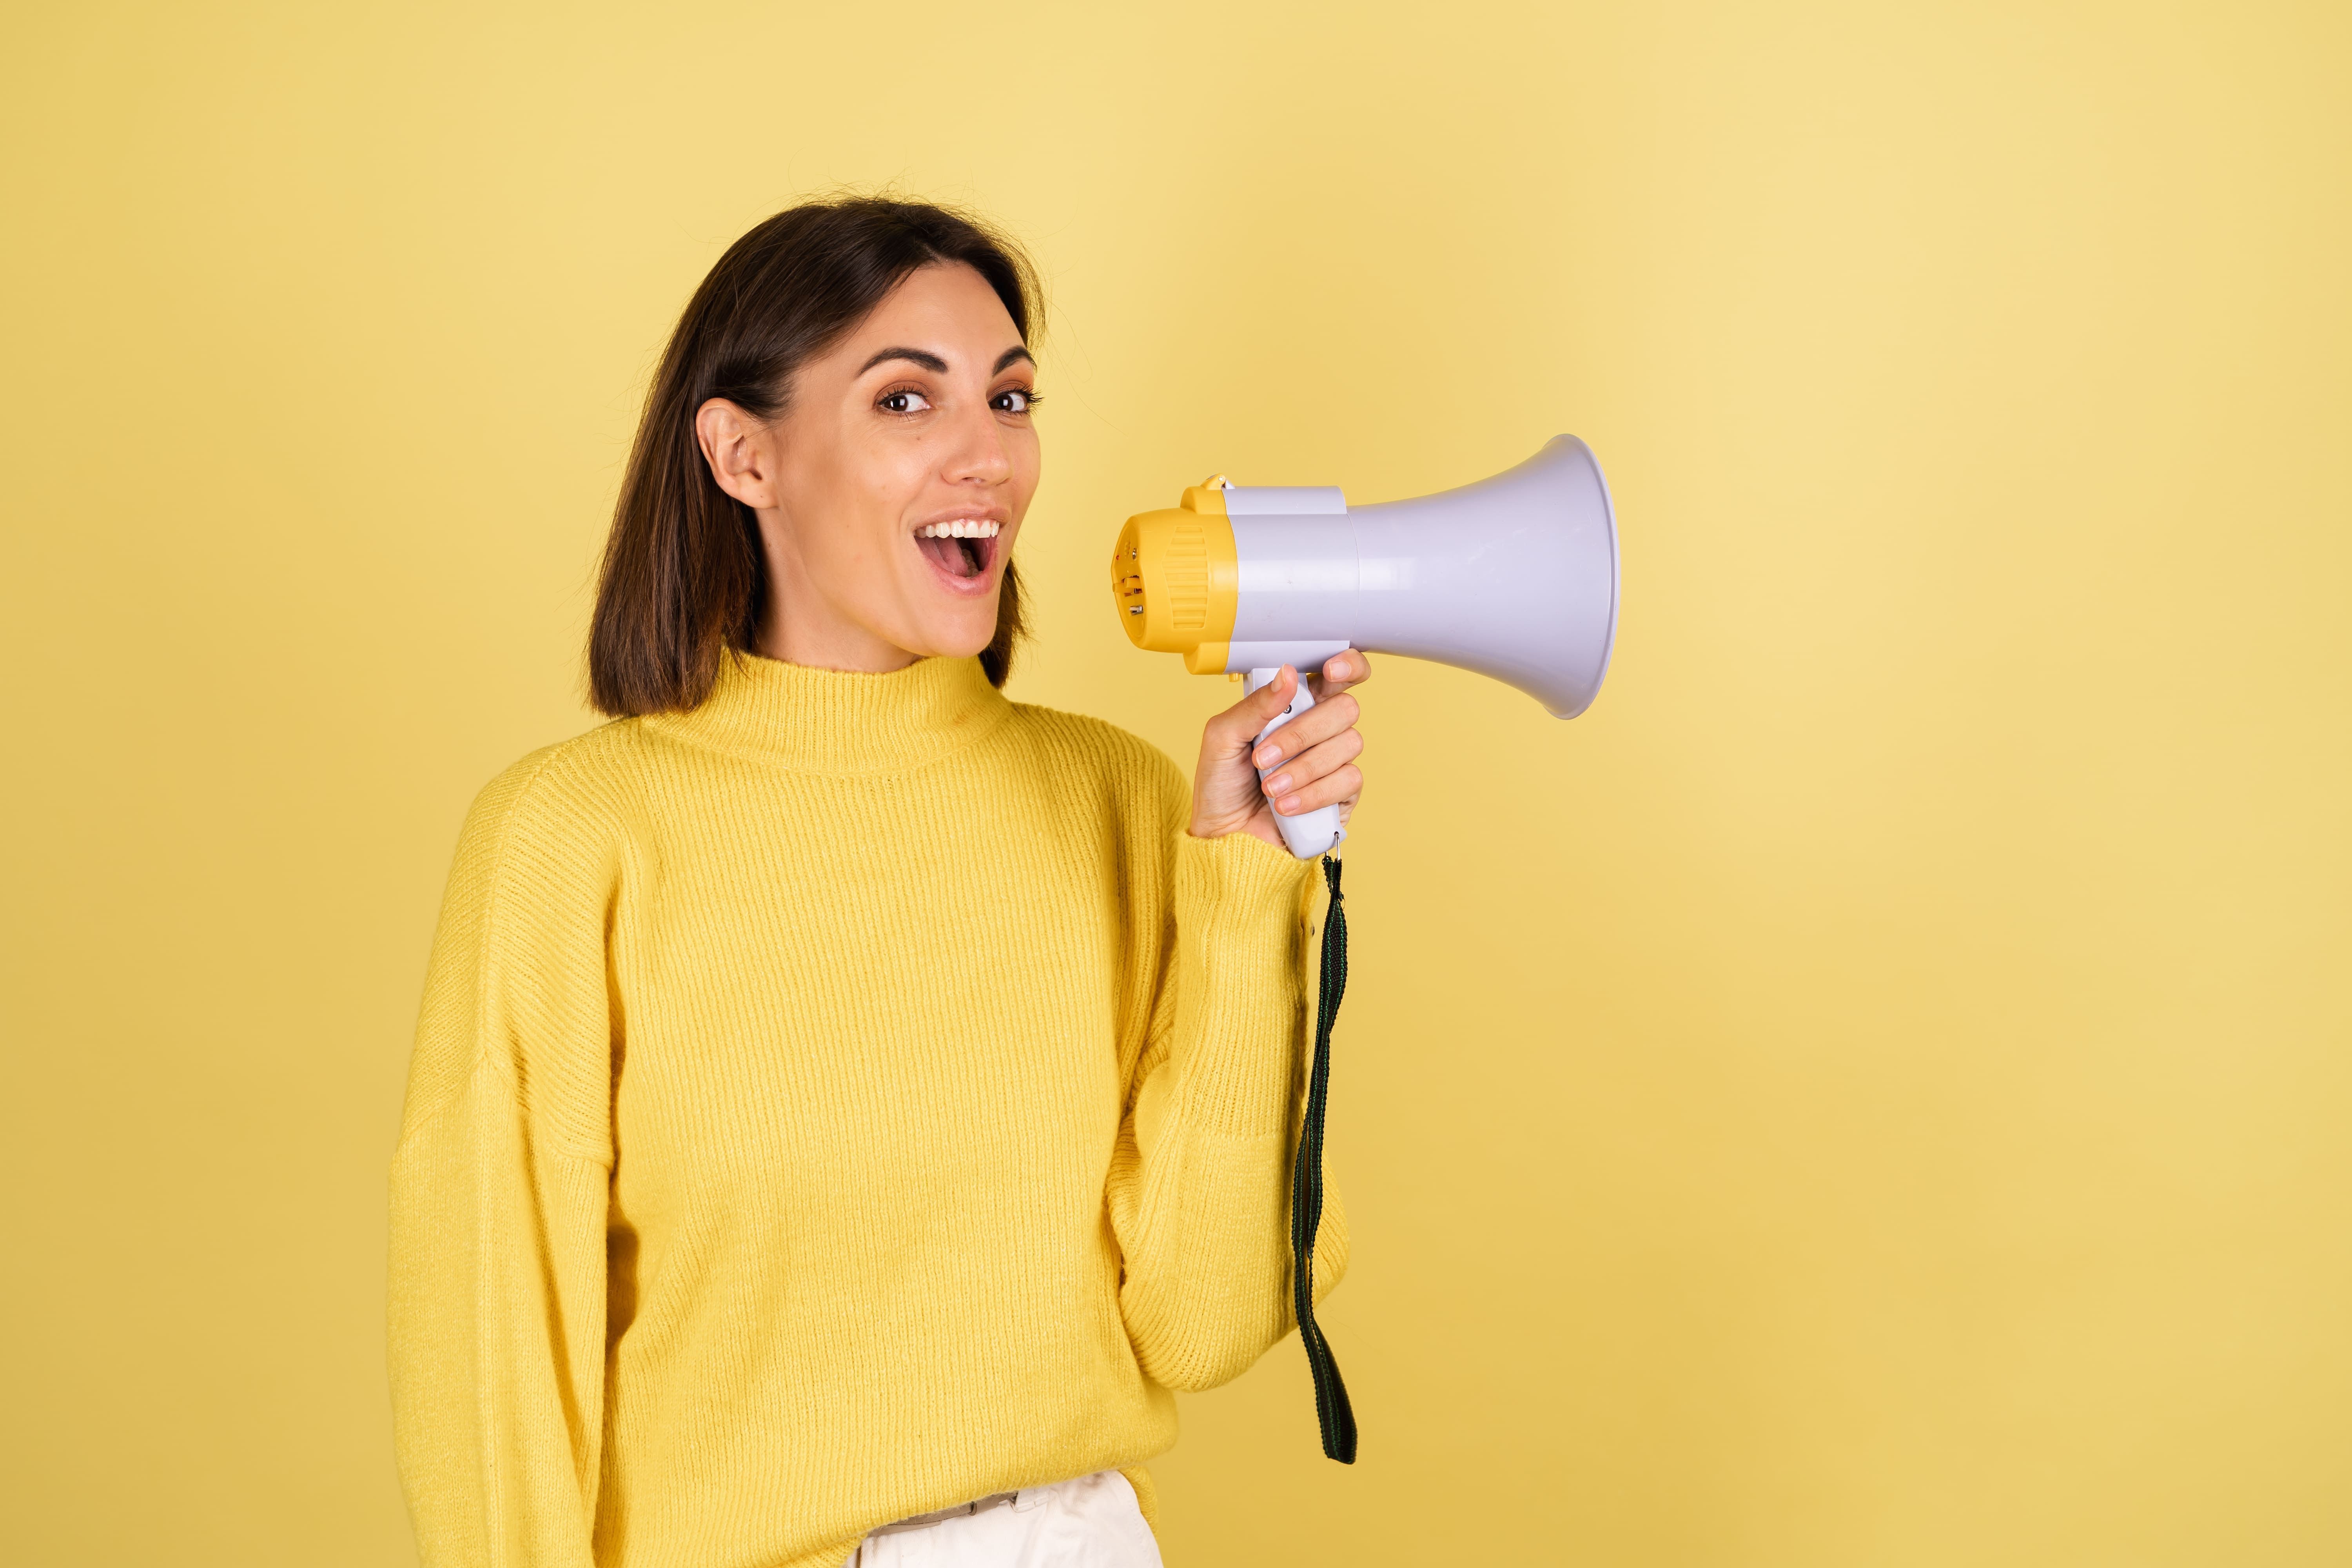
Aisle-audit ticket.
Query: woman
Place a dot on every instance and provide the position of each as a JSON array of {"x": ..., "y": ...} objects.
[{"x": 846, "y": 1102}]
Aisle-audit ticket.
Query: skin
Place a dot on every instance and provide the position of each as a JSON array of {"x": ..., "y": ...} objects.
[{"x": 918, "y": 416}]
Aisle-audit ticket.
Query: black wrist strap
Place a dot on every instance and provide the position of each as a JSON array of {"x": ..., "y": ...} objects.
[{"x": 1337, "y": 1417}]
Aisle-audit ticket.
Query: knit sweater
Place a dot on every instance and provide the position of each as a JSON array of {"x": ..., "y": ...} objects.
[{"x": 856, "y": 1096}]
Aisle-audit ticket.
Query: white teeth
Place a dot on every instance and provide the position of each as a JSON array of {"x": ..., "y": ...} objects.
[{"x": 961, "y": 528}]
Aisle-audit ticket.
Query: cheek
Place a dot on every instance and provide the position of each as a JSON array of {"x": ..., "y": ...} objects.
[
  {"x": 898, "y": 471},
  {"x": 1027, "y": 463},
  {"x": 892, "y": 478},
  {"x": 860, "y": 507}
]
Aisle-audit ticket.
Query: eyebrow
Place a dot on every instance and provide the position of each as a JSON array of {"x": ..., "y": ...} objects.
[
  {"x": 930, "y": 361},
  {"x": 938, "y": 366}
]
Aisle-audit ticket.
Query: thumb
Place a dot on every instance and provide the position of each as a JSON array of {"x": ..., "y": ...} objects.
[
  {"x": 1242, "y": 722},
  {"x": 1265, "y": 705}
]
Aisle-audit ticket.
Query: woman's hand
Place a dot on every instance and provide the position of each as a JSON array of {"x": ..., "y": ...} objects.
[{"x": 1312, "y": 759}]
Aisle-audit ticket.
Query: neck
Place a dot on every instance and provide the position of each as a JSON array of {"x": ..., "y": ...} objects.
[{"x": 794, "y": 638}]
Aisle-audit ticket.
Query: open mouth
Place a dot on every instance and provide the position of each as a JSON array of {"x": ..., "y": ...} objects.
[{"x": 962, "y": 549}]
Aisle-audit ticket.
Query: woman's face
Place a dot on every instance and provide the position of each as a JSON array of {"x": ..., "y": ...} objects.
[{"x": 890, "y": 489}]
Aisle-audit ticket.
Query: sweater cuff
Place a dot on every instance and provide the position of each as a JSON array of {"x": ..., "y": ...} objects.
[{"x": 1240, "y": 906}]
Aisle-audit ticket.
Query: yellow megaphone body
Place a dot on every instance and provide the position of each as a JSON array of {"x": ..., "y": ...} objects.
[{"x": 1514, "y": 578}]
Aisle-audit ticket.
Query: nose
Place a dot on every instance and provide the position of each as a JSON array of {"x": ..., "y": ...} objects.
[{"x": 976, "y": 454}]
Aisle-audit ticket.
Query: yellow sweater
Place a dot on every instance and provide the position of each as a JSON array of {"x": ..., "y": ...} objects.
[{"x": 855, "y": 1097}]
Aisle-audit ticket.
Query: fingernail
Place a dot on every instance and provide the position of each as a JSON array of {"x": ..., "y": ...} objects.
[
  {"x": 1277, "y": 783},
  {"x": 1267, "y": 756},
  {"x": 1289, "y": 806}
]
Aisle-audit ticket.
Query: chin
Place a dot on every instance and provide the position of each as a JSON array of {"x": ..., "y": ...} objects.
[
  {"x": 954, "y": 631},
  {"x": 966, "y": 641}
]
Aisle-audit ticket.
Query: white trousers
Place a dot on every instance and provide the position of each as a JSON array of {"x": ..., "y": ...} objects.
[{"x": 1090, "y": 1522}]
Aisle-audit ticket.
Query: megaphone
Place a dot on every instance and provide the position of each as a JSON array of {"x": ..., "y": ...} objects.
[{"x": 1514, "y": 578}]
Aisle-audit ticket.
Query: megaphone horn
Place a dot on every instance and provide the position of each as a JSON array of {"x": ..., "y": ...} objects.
[{"x": 1514, "y": 578}]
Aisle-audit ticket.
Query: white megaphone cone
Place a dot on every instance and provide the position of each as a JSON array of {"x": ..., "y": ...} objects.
[{"x": 1514, "y": 578}]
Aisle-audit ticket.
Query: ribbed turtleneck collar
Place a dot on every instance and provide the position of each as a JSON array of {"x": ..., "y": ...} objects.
[{"x": 841, "y": 722}]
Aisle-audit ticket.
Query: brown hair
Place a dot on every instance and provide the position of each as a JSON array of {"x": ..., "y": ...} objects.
[{"x": 684, "y": 577}]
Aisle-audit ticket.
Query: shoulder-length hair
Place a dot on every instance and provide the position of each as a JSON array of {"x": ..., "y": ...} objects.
[{"x": 684, "y": 576}]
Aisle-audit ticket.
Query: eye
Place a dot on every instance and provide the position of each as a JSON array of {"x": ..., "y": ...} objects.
[
  {"x": 1015, "y": 400},
  {"x": 903, "y": 400}
]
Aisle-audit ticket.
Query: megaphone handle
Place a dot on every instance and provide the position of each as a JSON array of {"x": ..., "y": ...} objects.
[{"x": 1311, "y": 833}]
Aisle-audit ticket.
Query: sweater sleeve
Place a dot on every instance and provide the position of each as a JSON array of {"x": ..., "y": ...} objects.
[
  {"x": 1199, "y": 1189},
  {"x": 500, "y": 1194}
]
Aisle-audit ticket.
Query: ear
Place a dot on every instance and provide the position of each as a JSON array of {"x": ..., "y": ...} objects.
[{"x": 741, "y": 450}]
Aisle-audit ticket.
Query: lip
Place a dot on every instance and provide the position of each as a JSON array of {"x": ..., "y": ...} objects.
[{"x": 991, "y": 551}]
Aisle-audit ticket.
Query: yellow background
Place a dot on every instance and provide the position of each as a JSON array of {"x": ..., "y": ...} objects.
[{"x": 1872, "y": 1092}]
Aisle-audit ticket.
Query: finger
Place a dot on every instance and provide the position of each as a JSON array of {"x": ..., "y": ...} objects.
[
  {"x": 1351, "y": 667},
  {"x": 1237, "y": 726},
  {"x": 1340, "y": 786},
  {"x": 1318, "y": 763},
  {"x": 1312, "y": 728}
]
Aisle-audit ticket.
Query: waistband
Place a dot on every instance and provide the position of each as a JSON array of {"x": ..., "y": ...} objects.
[{"x": 1027, "y": 1497}]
